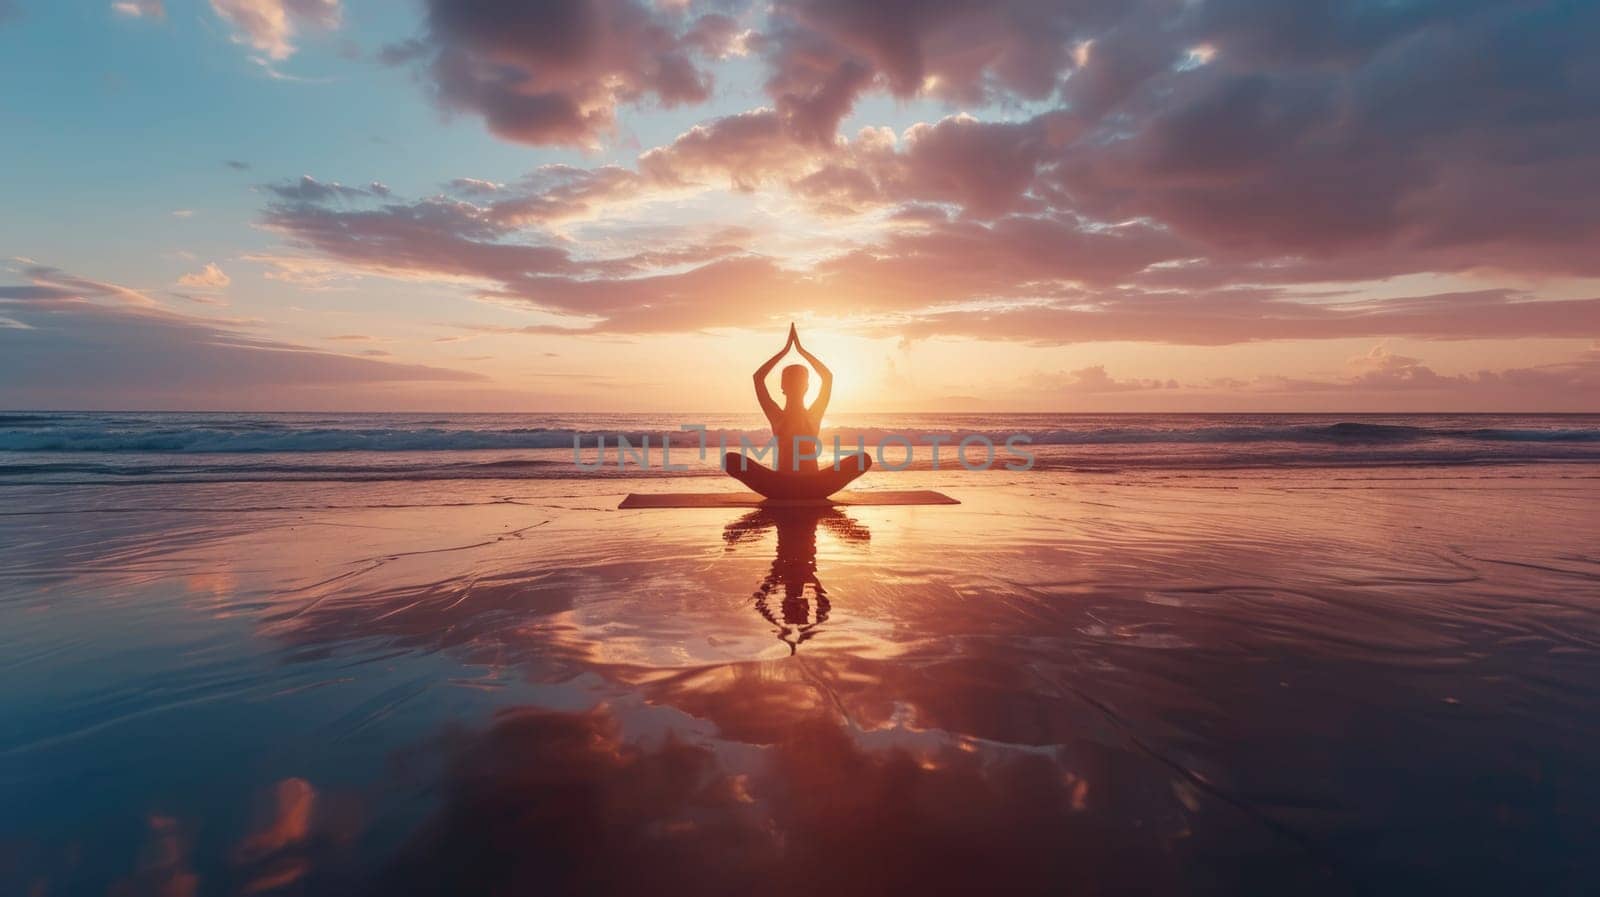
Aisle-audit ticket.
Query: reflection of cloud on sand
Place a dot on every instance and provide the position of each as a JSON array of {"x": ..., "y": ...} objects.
[
  {"x": 553, "y": 802},
  {"x": 163, "y": 868},
  {"x": 274, "y": 855}
]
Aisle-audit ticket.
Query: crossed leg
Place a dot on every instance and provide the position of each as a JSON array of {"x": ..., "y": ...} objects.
[{"x": 795, "y": 486}]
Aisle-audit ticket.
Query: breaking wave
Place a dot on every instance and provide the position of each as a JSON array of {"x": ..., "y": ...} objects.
[{"x": 46, "y": 447}]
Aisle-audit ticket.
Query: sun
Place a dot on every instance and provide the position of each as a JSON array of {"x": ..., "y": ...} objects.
[{"x": 849, "y": 359}]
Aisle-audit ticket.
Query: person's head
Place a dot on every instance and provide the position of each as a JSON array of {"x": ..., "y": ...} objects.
[{"x": 796, "y": 380}]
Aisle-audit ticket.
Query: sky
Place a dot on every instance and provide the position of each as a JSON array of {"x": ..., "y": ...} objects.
[{"x": 965, "y": 205}]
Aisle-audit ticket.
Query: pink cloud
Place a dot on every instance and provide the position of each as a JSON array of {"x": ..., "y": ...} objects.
[
  {"x": 210, "y": 277},
  {"x": 1228, "y": 317},
  {"x": 1019, "y": 277},
  {"x": 270, "y": 26},
  {"x": 78, "y": 335}
]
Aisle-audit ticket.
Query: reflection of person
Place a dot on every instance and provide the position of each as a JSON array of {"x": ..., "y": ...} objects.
[
  {"x": 796, "y": 429},
  {"x": 782, "y": 598}
]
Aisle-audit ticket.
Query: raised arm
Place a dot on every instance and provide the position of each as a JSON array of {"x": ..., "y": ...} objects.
[
  {"x": 821, "y": 404},
  {"x": 768, "y": 406}
]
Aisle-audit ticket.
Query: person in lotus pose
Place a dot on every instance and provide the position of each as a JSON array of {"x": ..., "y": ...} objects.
[{"x": 795, "y": 428}]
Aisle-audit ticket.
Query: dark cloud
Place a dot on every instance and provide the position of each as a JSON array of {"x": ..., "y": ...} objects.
[
  {"x": 824, "y": 54},
  {"x": 236, "y": 165},
  {"x": 555, "y": 72},
  {"x": 1014, "y": 258},
  {"x": 1417, "y": 137},
  {"x": 1416, "y": 129},
  {"x": 1331, "y": 142},
  {"x": 70, "y": 337},
  {"x": 983, "y": 168}
]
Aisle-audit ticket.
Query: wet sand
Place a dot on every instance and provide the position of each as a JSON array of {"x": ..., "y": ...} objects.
[{"x": 1311, "y": 682}]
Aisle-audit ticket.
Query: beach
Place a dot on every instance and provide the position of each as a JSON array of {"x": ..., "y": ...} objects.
[{"x": 1179, "y": 655}]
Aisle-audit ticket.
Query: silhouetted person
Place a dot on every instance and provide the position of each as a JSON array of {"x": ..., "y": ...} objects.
[
  {"x": 791, "y": 597},
  {"x": 795, "y": 427}
]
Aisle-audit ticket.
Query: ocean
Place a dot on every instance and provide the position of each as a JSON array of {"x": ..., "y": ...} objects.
[{"x": 86, "y": 447}]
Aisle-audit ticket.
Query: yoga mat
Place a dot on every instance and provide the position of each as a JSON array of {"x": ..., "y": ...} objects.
[{"x": 752, "y": 500}]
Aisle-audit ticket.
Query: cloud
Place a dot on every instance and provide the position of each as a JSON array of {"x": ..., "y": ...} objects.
[
  {"x": 683, "y": 815},
  {"x": 1557, "y": 386},
  {"x": 146, "y": 9},
  {"x": 1183, "y": 173},
  {"x": 1021, "y": 277},
  {"x": 309, "y": 189},
  {"x": 201, "y": 298},
  {"x": 1381, "y": 368},
  {"x": 557, "y": 193},
  {"x": 87, "y": 343},
  {"x": 1373, "y": 137},
  {"x": 823, "y": 54},
  {"x": 741, "y": 150},
  {"x": 236, "y": 165},
  {"x": 1356, "y": 128},
  {"x": 1229, "y": 317},
  {"x": 1379, "y": 138},
  {"x": 474, "y": 187},
  {"x": 1558, "y": 382},
  {"x": 1095, "y": 380},
  {"x": 1344, "y": 129},
  {"x": 270, "y": 26},
  {"x": 983, "y": 168},
  {"x": 706, "y": 284},
  {"x": 210, "y": 277},
  {"x": 49, "y": 284},
  {"x": 555, "y": 73},
  {"x": 438, "y": 237}
]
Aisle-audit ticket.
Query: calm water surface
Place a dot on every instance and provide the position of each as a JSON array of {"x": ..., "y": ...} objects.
[{"x": 1367, "y": 675}]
